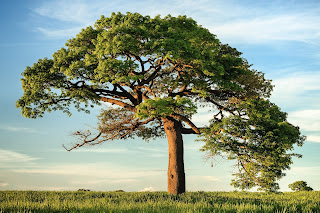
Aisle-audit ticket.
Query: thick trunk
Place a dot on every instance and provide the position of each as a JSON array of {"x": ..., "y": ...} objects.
[{"x": 176, "y": 175}]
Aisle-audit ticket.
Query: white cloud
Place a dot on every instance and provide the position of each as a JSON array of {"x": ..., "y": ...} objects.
[
  {"x": 7, "y": 156},
  {"x": 78, "y": 11},
  {"x": 97, "y": 150},
  {"x": 18, "y": 129},
  {"x": 110, "y": 171},
  {"x": 60, "y": 33},
  {"x": 313, "y": 138},
  {"x": 148, "y": 189},
  {"x": 51, "y": 188},
  {"x": 103, "y": 181},
  {"x": 298, "y": 90},
  {"x": 305, "y": 171},
  {"x": 210, "y": 178},
  {"x": 3, "y": 184},
  {"x": 285, "y": 27},
  {"x": 74, "y": 15},
  {"x": 152, "y": 149},
  {"x": 307, "y": 120},
  {"x": 202, "y": 119},
  {"x": 228, "y": 19},
  {"x": 157, "y": 155}
]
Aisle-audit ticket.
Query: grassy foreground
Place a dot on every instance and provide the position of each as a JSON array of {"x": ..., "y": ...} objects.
[{"x": 45, "y": 201}]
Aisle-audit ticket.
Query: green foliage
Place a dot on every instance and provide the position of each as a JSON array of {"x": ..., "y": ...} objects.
[
  {"x": 162, "y": 107},
  {"x": 258, "y": 136},
  {"x": 112, "y": 53},
  {"x": 300, "y": 186},
  {"x": 44, "y": 201}
]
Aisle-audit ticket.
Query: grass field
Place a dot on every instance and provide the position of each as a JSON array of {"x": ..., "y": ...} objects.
[{"x": 45, "y": 201}]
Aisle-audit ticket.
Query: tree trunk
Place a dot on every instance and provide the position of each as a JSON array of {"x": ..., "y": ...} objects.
[{"x": 176, "y": 175}]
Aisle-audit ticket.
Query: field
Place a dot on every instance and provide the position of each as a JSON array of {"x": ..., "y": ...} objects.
[{"x": 45, "y": 201}]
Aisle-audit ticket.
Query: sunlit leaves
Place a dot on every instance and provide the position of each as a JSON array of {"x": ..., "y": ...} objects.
[
  {"x": 162, "y": 107},
  {"x": 259, "y": 138}
]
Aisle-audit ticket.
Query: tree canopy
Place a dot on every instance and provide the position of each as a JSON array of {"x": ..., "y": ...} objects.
[
  {"x": 156, "y": 70},
  {"x": 300, "y": 186}
]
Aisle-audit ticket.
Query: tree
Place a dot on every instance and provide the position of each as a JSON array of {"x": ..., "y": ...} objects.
[
  {"x": 300, "y": 186},
  {"x": 156, "y": 72}
]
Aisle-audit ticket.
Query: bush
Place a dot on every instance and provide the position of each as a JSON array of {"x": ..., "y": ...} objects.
[{"x": 300, "y": 186}]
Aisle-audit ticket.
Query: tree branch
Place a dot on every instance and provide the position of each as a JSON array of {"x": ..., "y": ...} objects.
[
  {"x": 84, "y": 143},
  {"x": 119, "y": 103},
  {"x": 127, "y": 94},
  {"x": 190, "y": 130},
  {"x": 187, "y": 121},
  {"x": 117, "y": 134}
]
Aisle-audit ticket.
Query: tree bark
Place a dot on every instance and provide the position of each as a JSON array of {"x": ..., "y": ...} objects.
[{"x": 176, "y": 175}]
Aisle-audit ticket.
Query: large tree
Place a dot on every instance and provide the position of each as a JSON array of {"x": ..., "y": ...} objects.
[{"x": 155, "y": 73}]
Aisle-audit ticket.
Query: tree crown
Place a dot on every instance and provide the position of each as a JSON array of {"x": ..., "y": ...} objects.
[
  {"x": 153, "y": 68},
  {"x": 300, "y": 186}
]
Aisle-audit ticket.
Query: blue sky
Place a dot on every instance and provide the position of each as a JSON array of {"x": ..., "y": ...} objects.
[{"x": 280, "y": 38}]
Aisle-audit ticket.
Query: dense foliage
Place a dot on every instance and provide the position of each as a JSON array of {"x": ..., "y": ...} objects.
[
  {"x": 300, "y": 186},
  {"x": 161, "y": 70},
  {"x": 258, "y": 137}
]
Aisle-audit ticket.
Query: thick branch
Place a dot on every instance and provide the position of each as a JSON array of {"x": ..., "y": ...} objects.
[
  {"x": 190, "y": 130},
  {"x": 119, "y": 103},
  {"x": 124, "y": 94},
  {"x": 151, "y": 77},
  {"x": 127, "y": 94},
  {"x": 187, "y": 121}
]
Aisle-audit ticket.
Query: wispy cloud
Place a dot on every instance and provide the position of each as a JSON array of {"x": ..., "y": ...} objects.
[
  {"x": 148, "y": 189},
  {"x": 307, "y": 120},
  {"x": 231, "y": 21},
  {"x": 76, "y": 11},
  {"x": 110, "y": 171},
  {"x": 313, "y": 138},
  {"x": 97, "y": 176},
  {"x": 59, "y": 33},
  {"x": 3, "y": 184},
  {"x": 97, "y": 150},
  {"x": 7, "y": 156},
  {"x": 70, "y": 16},
  {"x": 202, "y": 119},
  {"x": 17, "y": 129},
  {"x": 104, "y": 181},
  {"x": 51, "y": 188},
  {"x": 152, "y": 149},
  {"x": 305, "y": 171},
  {"x": 210, "y": 178},
  {"x": 280, "y": 27},
  {"x": 297, "y": 89}
]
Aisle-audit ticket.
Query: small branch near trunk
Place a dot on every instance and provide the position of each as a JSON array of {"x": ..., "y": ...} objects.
[
  {"x": 190, "y": 130},
  {"x": 187, "y": 121},
  {"x": 119, "y": 130}
]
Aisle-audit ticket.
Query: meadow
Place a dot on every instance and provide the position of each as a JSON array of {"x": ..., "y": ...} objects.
[{"x": 81, "y": 201}]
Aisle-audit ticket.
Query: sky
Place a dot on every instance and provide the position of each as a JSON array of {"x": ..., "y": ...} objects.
[{"x": 280, "y": 38}]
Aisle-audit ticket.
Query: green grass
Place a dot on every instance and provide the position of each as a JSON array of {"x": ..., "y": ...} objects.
[{"x": 44, "y": 201}]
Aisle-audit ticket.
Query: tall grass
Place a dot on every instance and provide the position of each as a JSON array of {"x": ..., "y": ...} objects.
[{"x": 44, "y": 201}]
